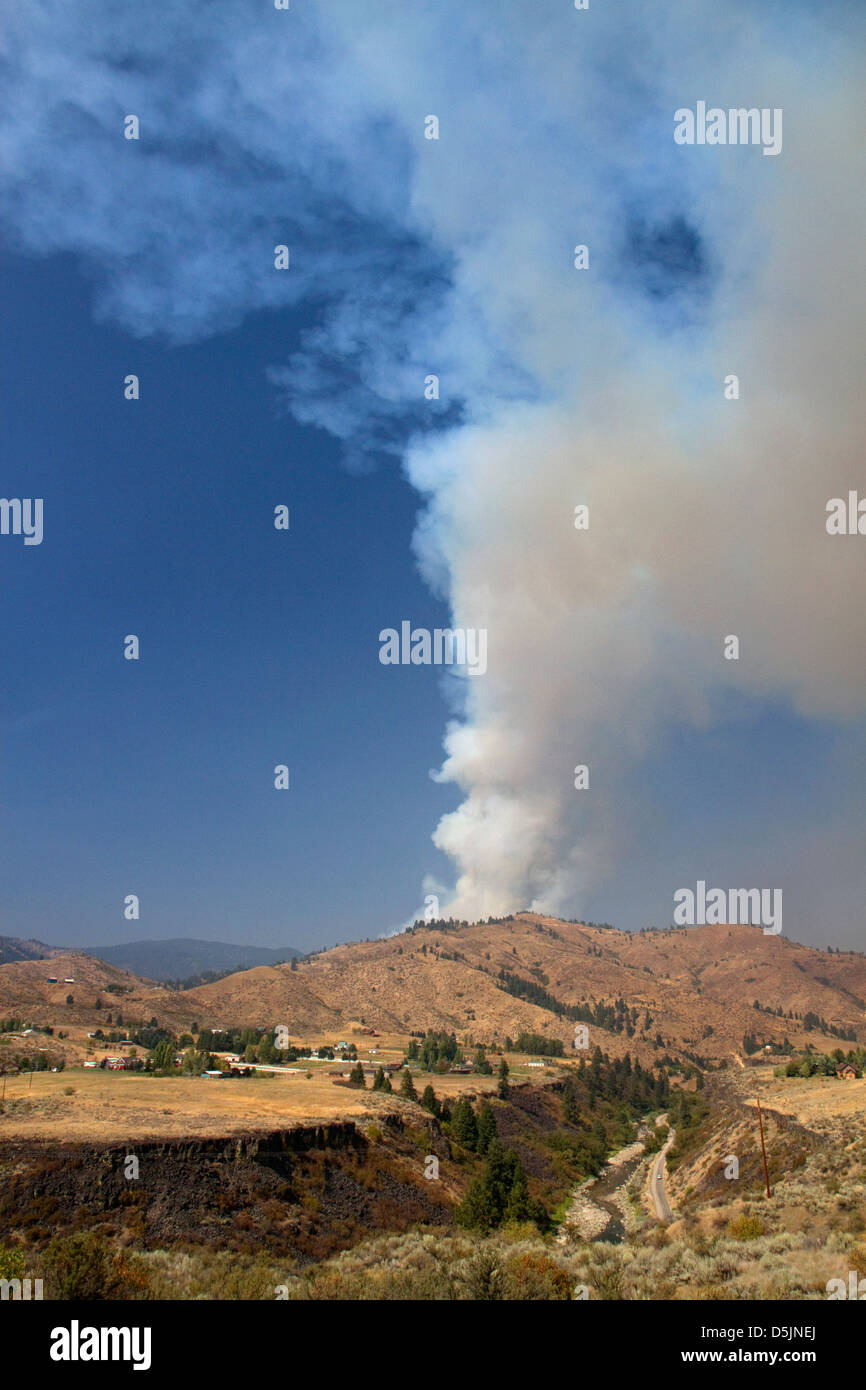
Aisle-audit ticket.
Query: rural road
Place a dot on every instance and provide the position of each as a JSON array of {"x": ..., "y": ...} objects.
[{"x": 661, "y": 1206}]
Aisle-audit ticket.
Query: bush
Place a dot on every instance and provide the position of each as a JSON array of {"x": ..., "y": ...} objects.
[
  {"x": 536, "y": 1277},
  {"x": 746, "y": 1228},
  {"x": 12, "y": 1263},
  {"x": 83, "y": 1266}
]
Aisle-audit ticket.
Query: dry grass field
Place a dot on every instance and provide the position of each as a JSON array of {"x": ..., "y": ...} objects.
[
  {"x": 110, "y": 1107},
  {"x": 815, "y": 1101}
]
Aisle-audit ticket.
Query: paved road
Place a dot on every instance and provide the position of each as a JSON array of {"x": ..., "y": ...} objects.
[{"x": 657, "y": 1181}]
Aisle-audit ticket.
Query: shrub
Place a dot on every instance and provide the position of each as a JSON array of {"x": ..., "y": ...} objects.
[
  {"x": 83, "y": 1266},
  {"x": 536, "y": 1277},
  {"x": 746, "y": 1228},
  {"x": 12, "y": 1263}
]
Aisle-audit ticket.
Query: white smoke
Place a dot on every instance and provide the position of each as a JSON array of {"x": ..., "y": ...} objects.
[{"x": 706, "y": 516}]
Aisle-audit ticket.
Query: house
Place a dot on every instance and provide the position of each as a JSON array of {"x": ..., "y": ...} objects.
[
  {"x": 114, "y": 1063},
  {"x": 69, "y": 982},
  {"x": 341, "y": 1047},
  {"x": 52, "y": 980},
  {"x": 215, "y": 1073},
  {"x": 90, "y": 1064},
  {"x": 846, "y": 1072}
]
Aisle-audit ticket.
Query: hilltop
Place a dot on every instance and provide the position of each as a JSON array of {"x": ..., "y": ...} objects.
[
  {"x": 687, "y": 991},
  {"x": 14, "y": 948},
  {"x": 177, "y": 958}
]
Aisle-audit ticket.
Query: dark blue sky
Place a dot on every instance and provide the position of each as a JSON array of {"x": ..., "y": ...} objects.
[{"x": 258, "y": 647}]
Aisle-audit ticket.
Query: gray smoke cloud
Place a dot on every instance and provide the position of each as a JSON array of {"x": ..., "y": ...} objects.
[{"x": 559, "y": 387}]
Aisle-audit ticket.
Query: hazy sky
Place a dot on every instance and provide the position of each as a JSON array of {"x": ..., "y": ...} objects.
[{"x": 558, "y": 387}]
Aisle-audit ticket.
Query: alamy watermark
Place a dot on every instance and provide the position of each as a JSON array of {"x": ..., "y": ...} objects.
[
  {"x": 444, "y": 646},
  {"x": 20, "y": 1289},
  {"x": 77, "y": 1343},
  {"x": 736, "y": 126},
  {"x": 717, "y": 906},
  {"x": 22, "y": 516}
]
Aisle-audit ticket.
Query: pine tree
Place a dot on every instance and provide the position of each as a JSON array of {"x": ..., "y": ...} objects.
[
  {"x": 379, "y": 1080},
  {"x": 476, "y": 1211},
  {"x": 429, "y": 1101},
  {"x": 486, "y": 1125},
  {"x": 503, "y": 1090},
  {"x": 480, "y": 1063},
  {"x": 356, "y": 1076},
  {"x": 570, "y": 1111},
  {"x": 464, "y": 1126},
  {"x": 517, "y": 1204},
  {"x": 407, "y": 1086}
]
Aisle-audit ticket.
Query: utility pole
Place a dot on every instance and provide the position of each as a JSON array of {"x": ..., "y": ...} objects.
[{"x": 763, "y": 1148}]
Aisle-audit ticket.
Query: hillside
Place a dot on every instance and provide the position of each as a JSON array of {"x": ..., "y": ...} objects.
[
  {"x": 179, "y": 957},
  {"x": 688, "y": 991},
  {"x": 26, "y": 989},
  {"x": 14, "y": 948}
]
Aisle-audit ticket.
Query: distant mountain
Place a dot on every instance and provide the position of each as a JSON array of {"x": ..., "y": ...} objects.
[
  {"x": 179, "y": 958},
  {"x": 14, "y": 948}
]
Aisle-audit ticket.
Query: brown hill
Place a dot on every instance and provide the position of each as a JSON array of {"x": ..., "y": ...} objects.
[
  {"x": 693, "y": 988},
  {"x": 26, "y": 989}
]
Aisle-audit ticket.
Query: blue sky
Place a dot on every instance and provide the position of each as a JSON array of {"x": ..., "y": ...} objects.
[
  {"x": 258, "y": 388},
  {"x": 258, "y": 647}
]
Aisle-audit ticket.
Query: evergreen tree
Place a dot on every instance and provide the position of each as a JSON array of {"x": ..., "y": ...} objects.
[
  {"x": 503, "y": 1090},
  {"x": 407, "y": 1086},
  {"x": 463, "y": 1125},
  {"x": 486, "y": 1125},
  {"x": 499, "y": 1193},
  {"x": 356, "y": 1076},
  {"x": 379, "y": 1080},
  {"x": 517, "y": 1203},
  {"x": 476, "y": 1211},
  {"x": 429, "y": 1101},
  {"x": 570, "y": 1112}
]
